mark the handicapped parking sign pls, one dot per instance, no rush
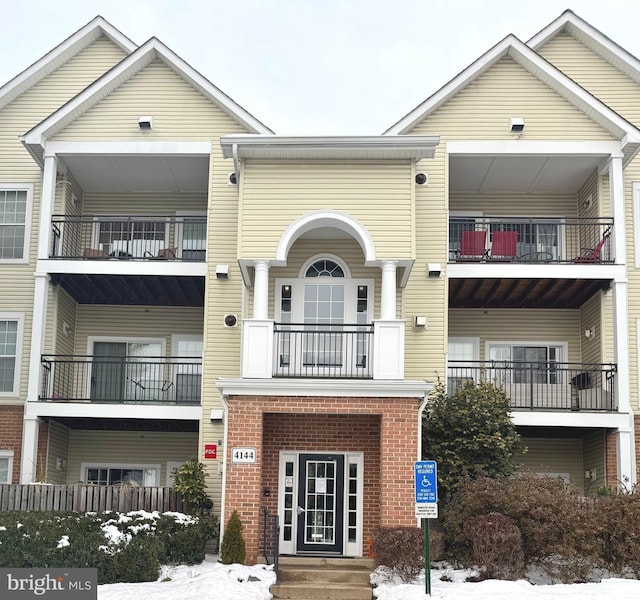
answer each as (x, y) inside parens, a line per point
(426, 481)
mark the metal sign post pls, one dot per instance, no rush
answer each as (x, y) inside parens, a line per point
(426, 486)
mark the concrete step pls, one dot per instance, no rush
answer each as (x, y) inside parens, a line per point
(333, 574)
(326, 562)
(325, 591)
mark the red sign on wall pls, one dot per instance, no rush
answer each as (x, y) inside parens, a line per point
(210, 451)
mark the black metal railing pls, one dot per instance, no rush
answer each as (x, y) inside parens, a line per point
(543, 385)
(113, 379)
(530, 240)
(271, 539)
(338, 351)
(152, 237)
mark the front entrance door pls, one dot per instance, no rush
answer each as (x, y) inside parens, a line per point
(320, 509)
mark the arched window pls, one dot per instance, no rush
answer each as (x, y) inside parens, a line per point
(324, 268)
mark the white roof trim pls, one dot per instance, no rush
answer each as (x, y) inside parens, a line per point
(414, 147)
(132, 64)
(538, 67)
(62, 53)
(592, 38)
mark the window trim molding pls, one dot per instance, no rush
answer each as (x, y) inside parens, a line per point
(17, 373)
(636, 221)
(324, 256)
(107, 465)
(91, 339)
(539, 343)
(27, 187)
(7, 453)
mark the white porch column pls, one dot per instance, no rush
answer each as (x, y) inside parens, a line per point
(625, 444)
(388, 292)
(47, 200)
(29, 449)
(261, 290)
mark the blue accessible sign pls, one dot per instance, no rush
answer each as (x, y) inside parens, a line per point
(426, 473)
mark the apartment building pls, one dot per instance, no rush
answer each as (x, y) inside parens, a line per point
(178, 280)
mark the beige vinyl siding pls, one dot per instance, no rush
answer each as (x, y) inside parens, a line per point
(377, 194)
(591, 318)
(515, 205)
(594, 459)
(58, 448)
(549, 325)
(135, 322)
(128, 447)
(595, 74)
(179, 111)
(553, 455)
(143, 204)
(482, 110)
(65, 309)
(600, 206)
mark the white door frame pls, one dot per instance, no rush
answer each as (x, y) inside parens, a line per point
(288, 546)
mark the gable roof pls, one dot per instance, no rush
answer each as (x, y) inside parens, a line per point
(55, 58)
(532, 62)
(151, 50)
(593, 39)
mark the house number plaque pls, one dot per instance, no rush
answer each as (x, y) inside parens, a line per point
(243, 455)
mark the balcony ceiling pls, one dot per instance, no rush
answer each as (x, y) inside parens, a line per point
(523, 293)
(147, 290)
(520, 174)
(119, 424)
(154, 174)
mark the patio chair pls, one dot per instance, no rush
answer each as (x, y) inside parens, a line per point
(472, 246)
(593, 255)
(94, 253)
(503, 246)
(163, 254)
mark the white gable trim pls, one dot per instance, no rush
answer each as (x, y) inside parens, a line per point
(593, 39)
(134, 63)
(539, 68)
(62, 53)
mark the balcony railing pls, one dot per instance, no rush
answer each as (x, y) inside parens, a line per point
(543, 386)
(149, 237)
(530, 240)
(339, 351)
(114, 379)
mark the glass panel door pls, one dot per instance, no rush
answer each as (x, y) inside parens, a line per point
(108, 370)
(320, 503)
(324, 310)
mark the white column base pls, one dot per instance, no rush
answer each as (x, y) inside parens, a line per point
(388, 349)
(257, 349)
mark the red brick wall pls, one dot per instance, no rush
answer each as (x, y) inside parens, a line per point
(611, 458)
(11, 435)
(395, 418)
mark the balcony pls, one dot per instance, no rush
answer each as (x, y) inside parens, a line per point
(550, 386)
(121, 380)
(342, 351)
(537, 240)
(148, 237)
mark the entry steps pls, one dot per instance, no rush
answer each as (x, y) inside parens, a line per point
(306, 578)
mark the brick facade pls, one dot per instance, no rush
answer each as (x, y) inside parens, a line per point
(384, 429)
(11, 422)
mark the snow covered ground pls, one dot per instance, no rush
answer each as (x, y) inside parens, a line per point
(214, 581)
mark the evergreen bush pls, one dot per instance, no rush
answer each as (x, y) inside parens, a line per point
(233, 548)
(190, 480)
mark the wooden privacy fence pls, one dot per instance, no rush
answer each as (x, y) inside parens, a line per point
(88, 498)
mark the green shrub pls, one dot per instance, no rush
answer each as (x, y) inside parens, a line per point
(401, 550)
(496, 545)
(185, 539)
(470, 433)
(190, 481)
(233, 548)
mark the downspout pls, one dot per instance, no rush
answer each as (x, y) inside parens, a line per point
(236, 162)
(423, 405)
(223, 399)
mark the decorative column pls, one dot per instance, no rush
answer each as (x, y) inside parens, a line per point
(261, 290)
(388, 293)
(388, 331)
(257, 334)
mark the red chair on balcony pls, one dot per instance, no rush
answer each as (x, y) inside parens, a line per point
(503, 246)
(594, 255)
(472, 246)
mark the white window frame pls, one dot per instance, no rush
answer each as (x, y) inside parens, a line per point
(21, 187)
(564, 348)
(8, 454)
(636, 222)
(103, 465)
(122, 340)
(176, 370)
(19, 317)
(179, 233)
(130, 243)
(172, 465)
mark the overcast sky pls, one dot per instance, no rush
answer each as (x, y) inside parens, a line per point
(312, 66)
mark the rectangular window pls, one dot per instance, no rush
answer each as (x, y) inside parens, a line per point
(15, 208)
(10, 351)
(528, 363)
(6, 466)
(136, 475)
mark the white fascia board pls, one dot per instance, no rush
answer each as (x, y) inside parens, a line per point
(61, 54)
(592, 38)
(112, 411)
(324, 388)
(535, 271)
(597, 420)
(413, 147)
(173, 268)
(127, 68)
(534, 147)
(171, 147)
